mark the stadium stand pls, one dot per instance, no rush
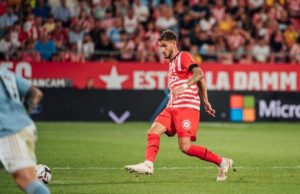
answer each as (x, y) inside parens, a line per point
(225, 31)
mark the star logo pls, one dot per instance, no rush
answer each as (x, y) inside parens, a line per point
(113, 80)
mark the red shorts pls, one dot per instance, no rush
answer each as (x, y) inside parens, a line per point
(183, 121)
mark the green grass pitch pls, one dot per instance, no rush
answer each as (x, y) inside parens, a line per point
(89, 158)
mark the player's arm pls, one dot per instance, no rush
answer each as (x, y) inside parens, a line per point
(32, 98)
(204, 97)
(197, 75)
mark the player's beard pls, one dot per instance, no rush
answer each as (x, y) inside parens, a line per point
(170, 55)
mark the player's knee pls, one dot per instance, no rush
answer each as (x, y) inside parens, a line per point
(157, 128)
(184, 147)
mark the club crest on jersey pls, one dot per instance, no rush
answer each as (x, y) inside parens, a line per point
(186, 124)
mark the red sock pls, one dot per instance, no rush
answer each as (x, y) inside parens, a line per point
(204, 154)
(152, 147)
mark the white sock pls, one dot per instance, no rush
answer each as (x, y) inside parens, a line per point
(223, 163)
(148, 163)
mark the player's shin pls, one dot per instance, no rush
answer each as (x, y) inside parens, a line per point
(204, 154)
(152, 147)
(36, 187)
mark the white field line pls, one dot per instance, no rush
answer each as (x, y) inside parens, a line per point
(177, 168)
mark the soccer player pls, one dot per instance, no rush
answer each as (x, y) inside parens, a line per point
(181, 115)
(18, 132)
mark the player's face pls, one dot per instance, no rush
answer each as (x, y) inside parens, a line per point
(167, 48)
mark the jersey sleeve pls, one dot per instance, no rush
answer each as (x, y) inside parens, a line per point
(23, 85)
(187, 60)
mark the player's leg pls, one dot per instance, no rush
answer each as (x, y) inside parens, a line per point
(18, 157)
(224, 164)
(187, 124)
(187, 147)
(160, 126)
(153, 141)
(26, 180)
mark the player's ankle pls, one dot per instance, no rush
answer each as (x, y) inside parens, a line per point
(148, 163)
(223, 163)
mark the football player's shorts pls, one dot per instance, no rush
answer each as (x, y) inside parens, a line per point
(183, 121)
(17, 151)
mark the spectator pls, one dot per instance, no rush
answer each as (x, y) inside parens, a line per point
(226, 24)
(85, 21)
(261, 51)
(140, 49)
(141, 11)
(59, 36)
(96, 31)
(293, 8)
(76, 35)
(240, 14)
(206, 23)
(255, 5)
(6, 46)
(156, 3)
(290, 36)
(218, 10)
(87, 47)
(295, 53)
(100, 9)
(90, 83)
(180, 10)
(62, 12)
(152, 36)
(277, 47)
(122, 7)
(42, 9)
(30, 27)
(8, 19)
(71, 54)
(114, 32)
(130, 22)
(105, 48)
(200, 10)
(82, 6)
(194, 52)
(3, 7)
(278, 13)
(166, 20)
(45, 46)
(29, 54)
(49, 25)
(236, 41)
(185, 24)
(126, 47)
(152, 55)
(108, 20)
(17, 36)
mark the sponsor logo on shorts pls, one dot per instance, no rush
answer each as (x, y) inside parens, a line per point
(186, 124)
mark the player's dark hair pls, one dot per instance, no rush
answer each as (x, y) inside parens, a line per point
(168, 35)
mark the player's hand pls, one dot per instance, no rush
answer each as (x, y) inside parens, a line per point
(209, 109)
(178, 90)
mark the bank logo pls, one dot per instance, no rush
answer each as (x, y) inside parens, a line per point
(242, 108)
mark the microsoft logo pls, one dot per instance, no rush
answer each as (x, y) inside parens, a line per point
(242, 108)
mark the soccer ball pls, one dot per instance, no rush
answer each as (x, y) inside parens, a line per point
(43, 173)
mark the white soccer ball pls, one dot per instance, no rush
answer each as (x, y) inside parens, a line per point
(43, 173)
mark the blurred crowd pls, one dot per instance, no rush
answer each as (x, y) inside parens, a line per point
(225, 31)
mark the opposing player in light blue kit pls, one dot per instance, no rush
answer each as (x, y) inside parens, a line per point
(18, 132)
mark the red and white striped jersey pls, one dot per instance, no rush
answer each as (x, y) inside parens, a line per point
(178, 75)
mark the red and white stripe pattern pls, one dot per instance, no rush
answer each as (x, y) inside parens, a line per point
(179, 75)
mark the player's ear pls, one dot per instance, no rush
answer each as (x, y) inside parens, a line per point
(174, 43)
